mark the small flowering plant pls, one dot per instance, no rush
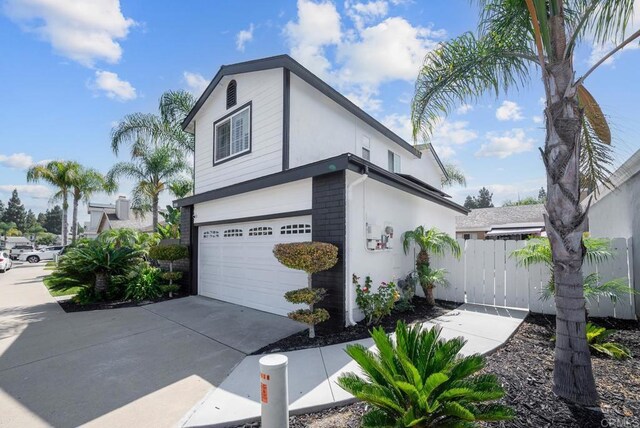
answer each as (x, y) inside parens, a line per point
(378, 305)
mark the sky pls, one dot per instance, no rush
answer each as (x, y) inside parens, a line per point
(70, 69)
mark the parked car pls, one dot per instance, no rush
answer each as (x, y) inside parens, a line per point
(5, 262)
(36, 256)
(15, 252)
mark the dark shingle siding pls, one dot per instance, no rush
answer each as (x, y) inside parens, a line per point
(328, 225)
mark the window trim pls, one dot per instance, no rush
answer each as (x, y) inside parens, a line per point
(226, 117)
(394, 157)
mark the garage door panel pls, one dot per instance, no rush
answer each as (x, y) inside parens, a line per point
(243, 270)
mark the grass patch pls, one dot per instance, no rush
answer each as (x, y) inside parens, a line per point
(50, 265)
(57, 290)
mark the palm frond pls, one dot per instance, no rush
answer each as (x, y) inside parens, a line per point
(454, 176)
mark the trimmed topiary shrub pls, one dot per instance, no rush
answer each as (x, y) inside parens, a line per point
(310, 257)
(169, 253)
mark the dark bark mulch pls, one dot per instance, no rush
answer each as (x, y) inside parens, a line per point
(421, 312)
(525, 368)
(71, 306)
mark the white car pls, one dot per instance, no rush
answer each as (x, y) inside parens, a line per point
(5, 262)
(36, 256)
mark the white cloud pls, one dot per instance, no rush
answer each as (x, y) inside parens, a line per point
(448, 136)
(537, 119)
(16, 160)
(317, 27)
(113, 86)
(380, 49)
(464, 109)
(37, 191)
(509, 110)
(196, 83)
(243, 37)
(505, 144)
(85, 31)
(599, 50)
(363, 13)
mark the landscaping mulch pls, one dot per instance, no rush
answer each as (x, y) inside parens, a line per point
(525, 368)
(71, 306)
(421, 312)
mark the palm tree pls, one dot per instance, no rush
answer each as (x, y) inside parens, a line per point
(85, 182)
(141, 129)
(59, 174)
(430, 241)
(153, 167)
(181, 188)
(454, 176)
(514, 36)
(597, 250)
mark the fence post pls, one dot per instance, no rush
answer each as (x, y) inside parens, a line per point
(274, 391)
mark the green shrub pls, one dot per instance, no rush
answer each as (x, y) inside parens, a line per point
(171, 276)
(310, 257)
(596, 337)
(309, 317)
(169, 289)
(375, 306)
(419, 380)
(307, 296)
(86, 296)
(169, 252)
(145, 285)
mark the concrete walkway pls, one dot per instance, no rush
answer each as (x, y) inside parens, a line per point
(138, 366)
(313, 372)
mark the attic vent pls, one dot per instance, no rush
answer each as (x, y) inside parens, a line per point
(231, 94)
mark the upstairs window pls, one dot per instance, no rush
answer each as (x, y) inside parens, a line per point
(232, 94)
(394, 162)
(232, 135)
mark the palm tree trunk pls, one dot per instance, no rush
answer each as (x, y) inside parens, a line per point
(154, 213)
(428, 293)
(74, 220)
(65, 222)
(565, 224)
(102, 282)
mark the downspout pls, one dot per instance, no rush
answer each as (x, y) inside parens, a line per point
(349, 294)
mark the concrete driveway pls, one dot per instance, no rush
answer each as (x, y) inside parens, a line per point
(140, 366)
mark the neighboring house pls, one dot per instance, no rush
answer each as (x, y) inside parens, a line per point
(11, 241)
(515, 222)
(280, 156)
(96, 212)
(123, 217)
(616, 212)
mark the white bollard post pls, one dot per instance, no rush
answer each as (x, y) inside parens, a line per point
(274, 391)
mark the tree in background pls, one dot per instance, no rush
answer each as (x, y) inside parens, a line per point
(529, 200)
(542, 195)
(51, 220)
(59, 174)
(153, 167)
(454, 176)
(5, 227)
(181, 188)
(2, 208)
(84, 183)
(513, 38)
(15, 212)
(483, 200)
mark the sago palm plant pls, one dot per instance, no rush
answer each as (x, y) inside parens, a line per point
(421, 381)
(597, 338)
(431, 242)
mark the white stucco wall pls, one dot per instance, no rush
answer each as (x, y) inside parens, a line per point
(288, 197)
(376, 203)
(320, 129)
(264, 89)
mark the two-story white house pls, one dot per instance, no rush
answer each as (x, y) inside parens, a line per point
(280, 156)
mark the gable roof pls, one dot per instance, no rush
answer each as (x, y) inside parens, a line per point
(139, 223)
(285, 61)
(485, 218)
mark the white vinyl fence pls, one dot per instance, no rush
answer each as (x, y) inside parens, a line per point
(486, 274)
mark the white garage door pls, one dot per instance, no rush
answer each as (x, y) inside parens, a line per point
(236, 263)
